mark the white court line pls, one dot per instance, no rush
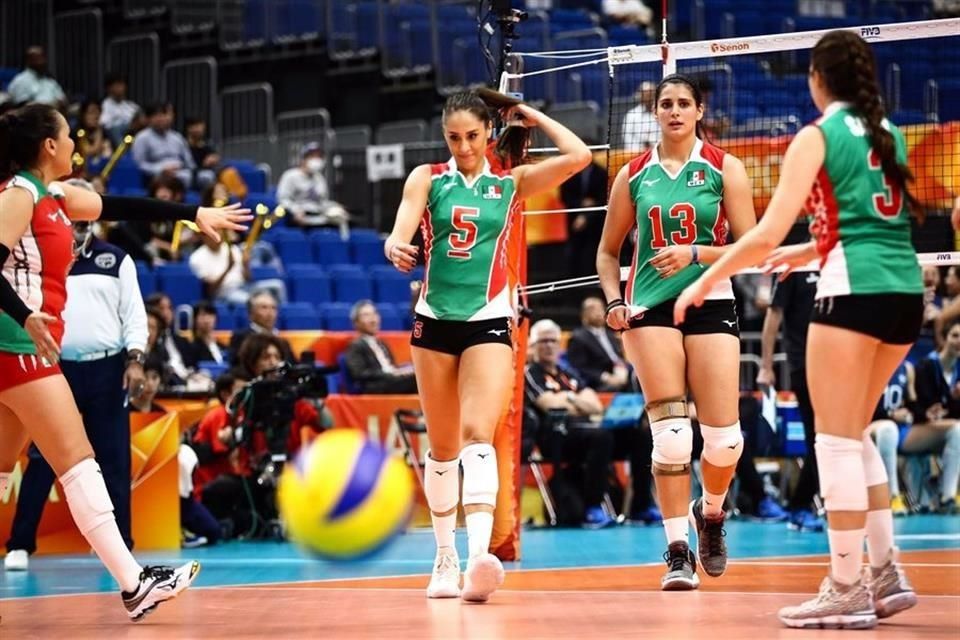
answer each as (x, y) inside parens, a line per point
(826, 560)
(928, 536)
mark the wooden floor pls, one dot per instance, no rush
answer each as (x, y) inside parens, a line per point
(607, 602)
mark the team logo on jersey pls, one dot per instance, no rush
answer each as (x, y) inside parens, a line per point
(696, 178)
(59, 216)
(493, 192)
(105, 260)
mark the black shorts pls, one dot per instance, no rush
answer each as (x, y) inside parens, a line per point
(892, 318)
(715, 316)
(455, 336)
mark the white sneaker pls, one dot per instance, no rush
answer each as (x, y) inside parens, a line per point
(16, 560)
(445, 581)
(158, 584)
(483, 575)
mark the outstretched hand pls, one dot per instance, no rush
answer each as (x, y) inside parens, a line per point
(36, 327)
(210, 219)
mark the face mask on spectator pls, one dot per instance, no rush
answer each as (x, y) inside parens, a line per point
(315, 165)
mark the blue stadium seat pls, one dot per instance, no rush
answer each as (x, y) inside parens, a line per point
(368, 20)
(350, 283)
(329, 249)
(308, 283)
(390, 285)
(299, 316)
(346, 382)
(226, 320)
(178, 282)
(367, 250)
(213, 368)
(336, 316)
(390, 318)
(265, 273)
(146, 278)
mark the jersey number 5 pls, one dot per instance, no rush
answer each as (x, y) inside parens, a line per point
(687, 234)
(464, 235)
(888, 203)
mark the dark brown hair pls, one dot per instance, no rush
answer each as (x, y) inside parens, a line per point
(22, 132)
(511, 147)
(846, 64)
(253, 347)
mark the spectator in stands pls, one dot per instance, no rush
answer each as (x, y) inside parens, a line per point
(173, 350)
(951, 285)
(91, 141)
(369, 361)
(791, 307)
(932, 305)
(204, 154)
(224, 269)
(595, 351)
(304, 193)
(628, 12)
(205, 345)
(144, 403)
(198, 527)
(34, 83)
(938, 406)
(891, 423)
(640, 127)
(159, 150)
(568, 414)
(117, 112)
(586, 189)
(262, 310)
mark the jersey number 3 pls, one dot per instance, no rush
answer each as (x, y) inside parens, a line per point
(888, 203)
(687, 234)
(464, 235)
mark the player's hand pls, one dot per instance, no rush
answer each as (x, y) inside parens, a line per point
(133, 379)
(671, 260)
(788, 258)
(210, 219)
(766, 377)
(36, 327)
(692, 295)
(618, 318)
(403, 256)
(521, 116)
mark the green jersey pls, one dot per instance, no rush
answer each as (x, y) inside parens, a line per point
(466, 234)
(686, 208)
(861, 219)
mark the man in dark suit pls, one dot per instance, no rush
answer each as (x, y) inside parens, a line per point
(177, 350)
(595, 351)
(586, 189)
(262, 311)
(369, 362)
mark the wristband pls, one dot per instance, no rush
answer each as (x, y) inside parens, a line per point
(614, 304)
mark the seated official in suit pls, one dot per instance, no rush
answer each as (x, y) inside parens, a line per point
(370, 364)
(595, 351)
(262, 311)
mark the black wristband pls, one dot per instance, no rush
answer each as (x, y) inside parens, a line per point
(613, 304)
(10, 302)
(145, 209)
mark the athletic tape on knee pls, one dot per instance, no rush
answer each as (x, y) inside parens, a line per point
(840, 467)
(480, 479)
(722, 446)
(87, 495)
(873, 468)
(672, 446)
(441, 484)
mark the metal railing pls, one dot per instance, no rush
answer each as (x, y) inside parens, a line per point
(137, 58)
(247, 110)
(78, 38)
(25, 23)
(191, 85)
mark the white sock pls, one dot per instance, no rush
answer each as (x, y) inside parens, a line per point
(879, 536)
(479, 529)
(677, 529)
(445, 531)
(713, 502)
(90, 506)
(846, 554)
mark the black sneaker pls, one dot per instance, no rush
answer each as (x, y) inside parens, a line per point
(681, 572)
(710, 544)
(158, 584)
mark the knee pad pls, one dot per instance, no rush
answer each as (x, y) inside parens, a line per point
(873, 469)
(480, 479)
(666, 409)
(840, 467)
(672, 445)
(87, 495)
(441, 484)
(722, 446)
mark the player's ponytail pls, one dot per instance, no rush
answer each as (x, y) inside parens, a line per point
(22, 132)
(846, 63)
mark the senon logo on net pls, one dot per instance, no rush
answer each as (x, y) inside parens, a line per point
(720, 47)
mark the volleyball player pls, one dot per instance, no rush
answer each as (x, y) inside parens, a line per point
(35, 402)
(681, 195)
(461, 342)
(849, 170)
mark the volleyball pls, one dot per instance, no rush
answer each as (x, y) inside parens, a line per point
(344, 495)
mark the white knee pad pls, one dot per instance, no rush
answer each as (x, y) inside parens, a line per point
(441, 483)
(672, 445)
(480, 479)
(873, 467)
(87, 495)
(722, 446)
(842, 479)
